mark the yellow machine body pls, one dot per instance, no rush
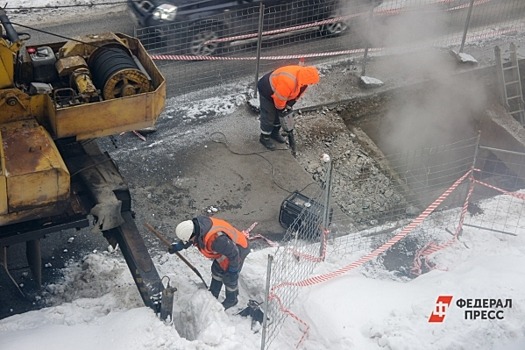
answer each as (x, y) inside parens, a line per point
(55, 91)
(55, 99)
(33, 174)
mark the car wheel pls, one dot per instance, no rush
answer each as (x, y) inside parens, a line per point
(334, 29)
(202, 41)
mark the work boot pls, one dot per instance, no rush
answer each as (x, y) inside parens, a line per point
(231, 299)
(276, 135)
(215, 288)
(267, 142)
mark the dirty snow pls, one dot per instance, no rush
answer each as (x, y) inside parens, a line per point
(96, 305)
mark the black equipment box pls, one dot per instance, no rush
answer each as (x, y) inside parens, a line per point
(43, 61)
(303, 215)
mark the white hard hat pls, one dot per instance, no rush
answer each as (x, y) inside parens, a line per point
(184, 230)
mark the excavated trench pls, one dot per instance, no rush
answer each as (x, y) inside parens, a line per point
(398, 150)
(429, 133)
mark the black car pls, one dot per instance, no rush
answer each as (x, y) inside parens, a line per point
(203, 27)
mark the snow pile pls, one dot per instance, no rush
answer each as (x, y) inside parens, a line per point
(96, 305)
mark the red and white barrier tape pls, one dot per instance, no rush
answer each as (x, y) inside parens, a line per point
(248, 231)
(430, 248)
(161, 57)
(398, 10)
(512, 194)
(310, 257)
(334, 20)
(466, 5)
(323, 278)
(167, 57)
(283, 30)
(409, 228)
(289, 312)
(434, 247)
(283, 57)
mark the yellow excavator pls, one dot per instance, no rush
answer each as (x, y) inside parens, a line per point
(55, 100)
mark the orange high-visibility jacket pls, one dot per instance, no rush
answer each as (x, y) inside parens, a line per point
(221, 227)
(287, 81)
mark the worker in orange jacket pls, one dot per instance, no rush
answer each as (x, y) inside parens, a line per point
(279, 90)
(218, 240)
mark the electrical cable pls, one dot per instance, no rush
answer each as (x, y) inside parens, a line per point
(50, 33)
(62, 37)
(259, 154)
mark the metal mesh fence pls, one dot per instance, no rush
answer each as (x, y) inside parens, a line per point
(433, 193)
(214, 49)
(450, 24)
(220, 48)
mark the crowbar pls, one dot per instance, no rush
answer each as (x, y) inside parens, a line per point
(168, 243)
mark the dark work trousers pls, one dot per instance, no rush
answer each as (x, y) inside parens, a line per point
(217, 272)
(268, 118)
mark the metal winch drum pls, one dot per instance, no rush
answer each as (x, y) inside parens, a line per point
(115, 72)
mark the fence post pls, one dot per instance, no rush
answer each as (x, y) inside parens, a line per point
(267, 297)
(369, 29)
(259, 44)
(467, 24)
(475, 159)
(326, 210)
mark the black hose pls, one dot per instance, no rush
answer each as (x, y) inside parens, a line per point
(10, 31)
(106, 61)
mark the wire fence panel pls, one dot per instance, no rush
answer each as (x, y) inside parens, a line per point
(228, 41)
(402, 25)
(440, 190)
(212, 50)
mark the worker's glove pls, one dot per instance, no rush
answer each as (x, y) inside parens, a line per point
(285, 112)
(176, 247)
(231, 277)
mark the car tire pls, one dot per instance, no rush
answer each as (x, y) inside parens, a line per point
(201, 39)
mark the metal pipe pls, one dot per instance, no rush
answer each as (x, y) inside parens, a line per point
(10, 31)
(502, 150)
(490, 229)
(470, 187)
(467, 24)
(259, 44)
(266, 301)
(369, 25)
(326, 210)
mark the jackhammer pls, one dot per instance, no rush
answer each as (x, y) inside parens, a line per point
(287, 124)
